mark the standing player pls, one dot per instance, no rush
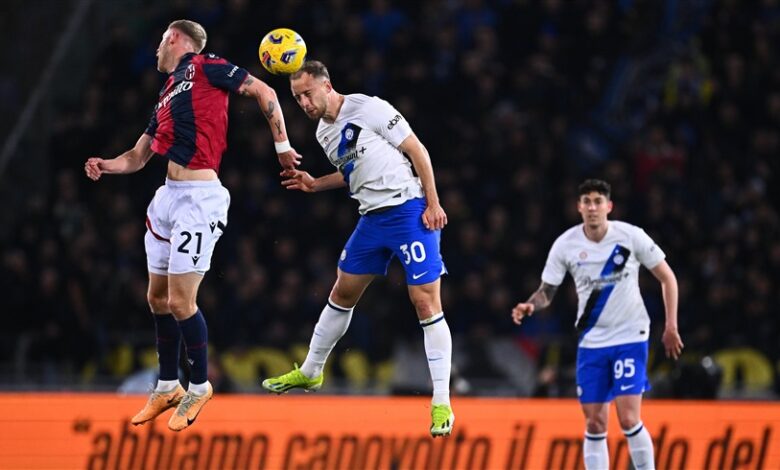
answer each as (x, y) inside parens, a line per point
(604, 257)
(366, 138)
(188, 214)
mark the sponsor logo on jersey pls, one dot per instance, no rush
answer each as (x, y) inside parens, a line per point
(232, 71)
(394, 121)
(348, 150)
(180, 88)
(611, 279)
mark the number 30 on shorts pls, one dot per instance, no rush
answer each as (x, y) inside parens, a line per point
(414, 251)
(624, 368)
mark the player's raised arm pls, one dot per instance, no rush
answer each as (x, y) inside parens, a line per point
(269, 104)
(671, 338)
(434, 216)
(538, 300)
(129, 162)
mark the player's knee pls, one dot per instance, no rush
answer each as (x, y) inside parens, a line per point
(628, 422)
(424, 307)
(181, 308)
(343, 297)
(596, 425)
(158, 303)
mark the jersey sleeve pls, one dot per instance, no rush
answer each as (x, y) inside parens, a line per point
(646, 250)
(151, 129)
(223, 74)
(387, 121)
(555, 267)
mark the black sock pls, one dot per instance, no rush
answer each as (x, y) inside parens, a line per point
(196, 339)
(168, 339)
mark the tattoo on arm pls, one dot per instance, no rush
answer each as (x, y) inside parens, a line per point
(245, 86)
(543, 296)
(270, 112)
(278, 125)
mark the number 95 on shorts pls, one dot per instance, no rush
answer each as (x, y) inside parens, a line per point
(603, 373)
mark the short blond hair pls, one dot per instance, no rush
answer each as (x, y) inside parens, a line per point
(192, 30)
(315, 68)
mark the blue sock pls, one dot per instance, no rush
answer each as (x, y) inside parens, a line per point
(168, 339)
(196, 337)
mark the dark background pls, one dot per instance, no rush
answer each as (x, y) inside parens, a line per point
(676, 103)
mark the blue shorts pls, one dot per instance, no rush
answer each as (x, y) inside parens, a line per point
(396, 232)
(604, 373)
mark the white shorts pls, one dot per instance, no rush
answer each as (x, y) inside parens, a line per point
(184, 221)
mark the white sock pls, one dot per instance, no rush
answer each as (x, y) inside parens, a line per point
(595, 451)
(166, 385)
(333, 323)
(438, 348)
(640, 446)
(199, 389)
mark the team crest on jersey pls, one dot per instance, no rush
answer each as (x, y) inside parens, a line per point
(189, 74)
(619, 259)
(349, 134)
(583, 255)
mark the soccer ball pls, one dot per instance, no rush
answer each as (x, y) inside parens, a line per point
(282, 51)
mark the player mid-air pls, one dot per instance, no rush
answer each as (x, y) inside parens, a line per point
(365, 138)
(603, 256)
(189, 212)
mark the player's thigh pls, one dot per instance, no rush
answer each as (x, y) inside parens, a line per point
(349, 288)
(157, 295)
(426, 298)
(596, 417)
(183, 293)
(594, 375)
(365, 252)
(199, 219)
(629, 410)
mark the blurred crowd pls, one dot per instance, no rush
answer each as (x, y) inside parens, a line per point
(676, 104)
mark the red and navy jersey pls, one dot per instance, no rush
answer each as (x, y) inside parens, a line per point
(189, 123)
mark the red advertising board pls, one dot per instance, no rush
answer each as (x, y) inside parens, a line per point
(92, 431)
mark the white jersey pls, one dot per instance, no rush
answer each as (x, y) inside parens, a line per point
(363, 144)
(610, 308)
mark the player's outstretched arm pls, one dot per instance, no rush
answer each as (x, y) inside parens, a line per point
(129, 162)
(434, 216)
(671, 338)
(538, 300)
(303, 181)
(269, 104)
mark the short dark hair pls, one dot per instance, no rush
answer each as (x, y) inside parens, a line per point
(315, 68)
(595, 185)
(192, 30)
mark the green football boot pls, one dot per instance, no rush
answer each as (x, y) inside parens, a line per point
(442, 420)
(291, 380)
